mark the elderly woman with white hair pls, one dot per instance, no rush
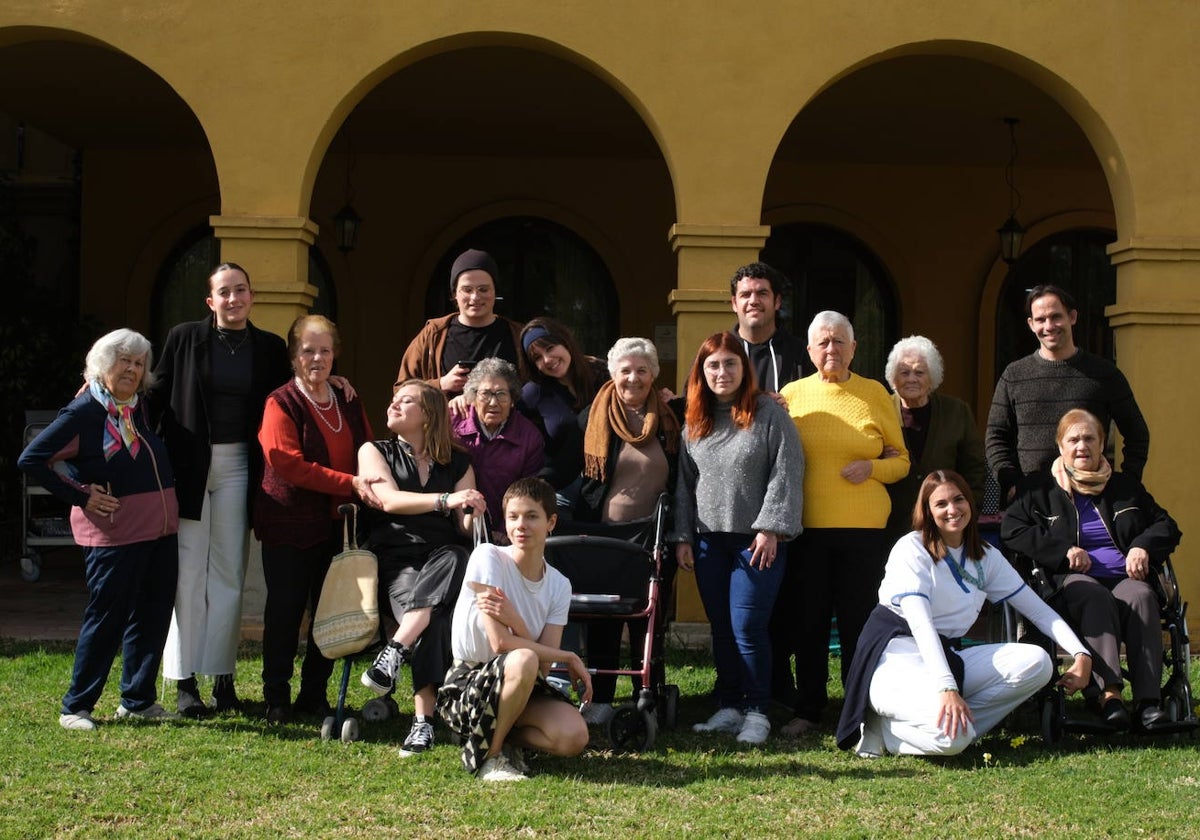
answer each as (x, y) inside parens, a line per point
(101, 457)
(939, 430)
(630, 454)
(853, 448)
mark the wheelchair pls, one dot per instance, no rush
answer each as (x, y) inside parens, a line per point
(1176, 693)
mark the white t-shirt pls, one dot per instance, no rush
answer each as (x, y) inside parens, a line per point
(539, 603)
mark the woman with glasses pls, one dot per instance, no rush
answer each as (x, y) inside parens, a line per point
(502, 443)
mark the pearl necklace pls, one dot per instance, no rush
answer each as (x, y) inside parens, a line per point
(333, 403)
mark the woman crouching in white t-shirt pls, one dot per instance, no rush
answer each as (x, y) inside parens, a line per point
(508, 625)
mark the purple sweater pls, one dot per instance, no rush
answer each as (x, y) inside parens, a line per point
(518, 451)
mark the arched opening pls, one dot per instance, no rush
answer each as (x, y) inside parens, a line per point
(524, 153)
(182, 284)
(545, 269)
(98, 153)
(907, 155)
(829, 269)
(1076, 261)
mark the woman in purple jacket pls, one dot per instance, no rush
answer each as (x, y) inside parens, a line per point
(502, 443)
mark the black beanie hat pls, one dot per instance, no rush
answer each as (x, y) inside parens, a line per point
(472, 260)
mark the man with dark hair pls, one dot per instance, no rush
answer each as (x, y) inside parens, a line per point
(756, 293)
(1035, 391)
(446, 348)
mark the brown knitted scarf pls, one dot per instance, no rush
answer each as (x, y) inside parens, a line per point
(608, 416)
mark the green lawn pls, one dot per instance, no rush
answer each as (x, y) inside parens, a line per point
(234, 776)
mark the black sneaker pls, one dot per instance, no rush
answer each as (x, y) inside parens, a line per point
(188, 702)
(311, 706)
(381, 676)
(225, 699)
(420, 738)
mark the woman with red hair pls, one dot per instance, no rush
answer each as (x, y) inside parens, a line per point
(737, 503)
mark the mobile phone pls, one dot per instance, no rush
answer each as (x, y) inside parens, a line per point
(468, 363)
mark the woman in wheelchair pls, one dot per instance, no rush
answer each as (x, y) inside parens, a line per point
(912, 689)
(1098, 536)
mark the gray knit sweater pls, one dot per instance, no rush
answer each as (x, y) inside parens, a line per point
(741, 481)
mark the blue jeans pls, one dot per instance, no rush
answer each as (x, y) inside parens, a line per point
(131, 592)
(738, 599)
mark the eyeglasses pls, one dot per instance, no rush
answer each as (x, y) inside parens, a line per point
(497, 396)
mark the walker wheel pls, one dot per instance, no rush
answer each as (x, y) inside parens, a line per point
(349, 730)
(632, 731)
(31, 568)
(327, 727)
(376, 710)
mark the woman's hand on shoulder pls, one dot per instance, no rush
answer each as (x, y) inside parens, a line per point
(343, 384)
(459, 407)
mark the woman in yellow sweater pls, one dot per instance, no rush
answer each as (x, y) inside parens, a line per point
(853, 446)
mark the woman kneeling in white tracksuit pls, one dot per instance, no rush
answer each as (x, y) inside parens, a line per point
(911, 690)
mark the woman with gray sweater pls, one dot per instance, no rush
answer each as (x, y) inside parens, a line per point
(737, 503)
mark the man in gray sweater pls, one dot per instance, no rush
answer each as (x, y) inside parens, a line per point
(1035, 391)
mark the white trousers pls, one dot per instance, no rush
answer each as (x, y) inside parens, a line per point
(997, 679)
(213, 553)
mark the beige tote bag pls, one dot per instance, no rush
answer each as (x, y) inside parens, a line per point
(347, 617)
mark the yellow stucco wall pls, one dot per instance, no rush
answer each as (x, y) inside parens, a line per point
(271, 83)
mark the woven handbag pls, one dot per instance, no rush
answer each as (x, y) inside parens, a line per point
(347, 616)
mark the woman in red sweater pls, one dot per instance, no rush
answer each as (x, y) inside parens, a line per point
(310, 436)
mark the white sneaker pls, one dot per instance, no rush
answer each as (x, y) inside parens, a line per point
(755, 729)
(870, 745)
(516, 757)
(499, 769)
(598, 714)
(77, 720)
(725, 720)
(152, 712)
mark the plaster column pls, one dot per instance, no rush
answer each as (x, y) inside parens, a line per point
(274, 249)
(1156, 320)
(707, 257)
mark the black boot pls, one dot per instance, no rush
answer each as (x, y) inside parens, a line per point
(224, 697)
(188, 701)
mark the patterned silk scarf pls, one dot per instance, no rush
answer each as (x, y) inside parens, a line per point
(118, 422)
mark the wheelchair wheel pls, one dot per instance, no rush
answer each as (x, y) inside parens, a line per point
(349, 730)
(1052, 728)
(669, 708)
(632, 731)
(327, 726)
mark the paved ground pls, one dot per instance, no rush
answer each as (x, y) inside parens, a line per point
(52, 608)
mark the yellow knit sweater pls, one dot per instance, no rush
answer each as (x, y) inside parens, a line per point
(840, 422)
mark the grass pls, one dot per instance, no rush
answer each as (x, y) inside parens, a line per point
(234, 777)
